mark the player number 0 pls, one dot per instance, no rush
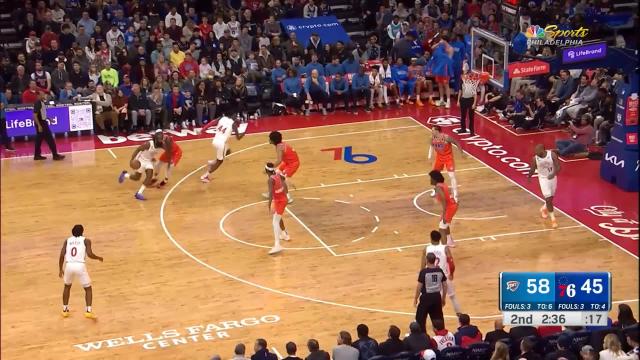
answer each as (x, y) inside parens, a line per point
(74, 251)
(538, 286)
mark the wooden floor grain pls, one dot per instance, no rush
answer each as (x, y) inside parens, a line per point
(179, 283)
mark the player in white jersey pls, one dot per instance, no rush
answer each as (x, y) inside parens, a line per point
(441, 336)
(224, 128)
(73, 253)
(548, 166)
(143, 161)
(444, 260)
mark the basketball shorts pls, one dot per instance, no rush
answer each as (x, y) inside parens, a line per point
(451, 289)
(145, 164)
(76, 270)
(444, 162)
(175, 159)
(221, 150)
(442, 79)
(445, 222)
(278, 206)
(548, 187)
(287, 169)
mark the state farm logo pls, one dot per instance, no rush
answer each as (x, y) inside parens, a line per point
(448, 120)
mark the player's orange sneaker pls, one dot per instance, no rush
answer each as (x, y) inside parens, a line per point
(90, 315)
(544, 213)
(554, 224)
(419, 102)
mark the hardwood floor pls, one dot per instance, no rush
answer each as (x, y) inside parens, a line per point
(186, 273)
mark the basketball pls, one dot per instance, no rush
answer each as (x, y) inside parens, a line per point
(135, 164)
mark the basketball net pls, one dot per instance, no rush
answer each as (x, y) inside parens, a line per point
(473, 79)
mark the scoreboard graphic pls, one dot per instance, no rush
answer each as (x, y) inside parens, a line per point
(561, 298)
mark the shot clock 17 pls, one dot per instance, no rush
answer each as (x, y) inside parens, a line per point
(562, 298)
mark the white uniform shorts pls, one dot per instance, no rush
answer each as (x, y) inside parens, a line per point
(548, 187)
(79, 270)
(451, 289)
(221, 150)
(145, 164)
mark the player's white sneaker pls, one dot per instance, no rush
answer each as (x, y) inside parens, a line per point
(205, 178)
(172, 126)
(193, 123)
(432, 193)
(265, 195)
(289, 199)
(184, 125)
(284, 236)
(275, 250)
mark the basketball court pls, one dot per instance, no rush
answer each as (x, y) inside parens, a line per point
(187, 275)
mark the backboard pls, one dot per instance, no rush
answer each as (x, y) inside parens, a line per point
(490, 53)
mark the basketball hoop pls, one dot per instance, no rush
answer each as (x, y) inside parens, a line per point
(484, 77)
(472, 79)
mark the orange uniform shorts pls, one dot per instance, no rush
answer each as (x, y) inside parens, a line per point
(444, 162)
(451, 211)
(177, 155)
(278, 206)
(288, 169)
(442, 79)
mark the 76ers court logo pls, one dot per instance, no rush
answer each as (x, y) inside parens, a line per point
(513, 285)
(447, 120)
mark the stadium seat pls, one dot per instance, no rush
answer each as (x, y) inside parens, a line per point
(380, 357)
(453, 353)
(405, 355)
(479, 351)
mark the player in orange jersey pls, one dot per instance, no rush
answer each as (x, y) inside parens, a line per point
(170, 157)
(277, 204)
(287, 161)
(449, 205)
(441, 143)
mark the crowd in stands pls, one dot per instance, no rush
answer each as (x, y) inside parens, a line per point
(155, 64)
(618, 341)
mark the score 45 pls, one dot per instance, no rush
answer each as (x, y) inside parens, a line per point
(594, 286)
(346, 154)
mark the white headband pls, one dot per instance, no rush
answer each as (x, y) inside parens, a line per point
(269, 168)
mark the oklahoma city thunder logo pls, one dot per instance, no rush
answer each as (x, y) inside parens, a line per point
(513, 285)
(534, 31)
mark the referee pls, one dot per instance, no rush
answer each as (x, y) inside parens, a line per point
(467, 101)
(432, 291)
(42, 130)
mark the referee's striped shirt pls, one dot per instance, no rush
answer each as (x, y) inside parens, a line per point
(431, 280)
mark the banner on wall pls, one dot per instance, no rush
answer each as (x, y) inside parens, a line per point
(328, 28)
(62, 118)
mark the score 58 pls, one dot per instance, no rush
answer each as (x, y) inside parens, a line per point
(538, 286)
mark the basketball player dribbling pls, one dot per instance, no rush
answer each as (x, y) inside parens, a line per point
(277, 204)
(72, 265)
(142, 161)
(287, 161)
(548, 166)
(444, 260)
(441, 143)
(170, 157)
(449, 205)
(224, 127)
